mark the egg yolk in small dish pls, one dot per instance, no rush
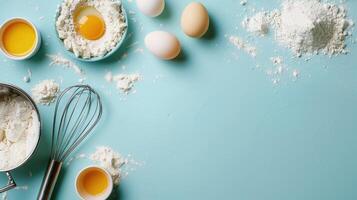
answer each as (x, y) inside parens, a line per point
(89, 23)
(19, 38)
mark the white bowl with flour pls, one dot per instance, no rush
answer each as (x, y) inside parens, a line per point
(20, 129)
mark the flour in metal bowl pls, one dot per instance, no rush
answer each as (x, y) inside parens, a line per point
(19, 129)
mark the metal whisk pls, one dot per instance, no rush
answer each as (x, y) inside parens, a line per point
(78, 110)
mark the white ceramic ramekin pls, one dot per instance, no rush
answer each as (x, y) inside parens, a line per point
(85, 196)
(37, 42)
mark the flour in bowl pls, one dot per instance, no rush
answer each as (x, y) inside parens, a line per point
(108, 18)
(19, 130)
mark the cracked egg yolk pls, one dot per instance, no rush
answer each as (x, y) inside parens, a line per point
(89, 23)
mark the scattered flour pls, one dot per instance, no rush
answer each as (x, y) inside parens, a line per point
(57, 59)
(19, 129)
(115, 27)
(116, 164)
(241, 44)
(45, 92)
(296, 73)
(277, 70)
(305, 26)
(257, 24)
(111, 161)
(312, 27)
(124, 82)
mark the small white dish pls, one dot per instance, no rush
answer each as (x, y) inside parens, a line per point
(37, 42)
(81, 190)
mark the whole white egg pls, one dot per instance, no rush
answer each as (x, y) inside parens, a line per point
(163, 44)
(151, 8)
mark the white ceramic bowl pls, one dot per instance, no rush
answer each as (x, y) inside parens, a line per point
(81, 191)
(37, 42)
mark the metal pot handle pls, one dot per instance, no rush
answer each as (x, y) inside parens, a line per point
(10, 183)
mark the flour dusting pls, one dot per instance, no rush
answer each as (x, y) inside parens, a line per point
(113, 162)
(59, 60)
(45, 92)
(117, 165)
(312, 27)
(305, 26)
(241, 44)
(257, 24)
(123, 82)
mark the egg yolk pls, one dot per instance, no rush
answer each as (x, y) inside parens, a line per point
(95, 182)
(19, 38)
(91, 27)
(89, 23)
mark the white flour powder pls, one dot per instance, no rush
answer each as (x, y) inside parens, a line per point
(241, 44)
(19, 130)
(118, 166)
(57, 59)
(257, 24)
(124, 82)
(305, 26)
(110, 160)
(310, 26)
(115, 27)
(45, 92)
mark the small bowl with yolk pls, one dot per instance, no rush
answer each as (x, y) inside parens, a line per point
(20, 39)
(89, 24)
(93, 183)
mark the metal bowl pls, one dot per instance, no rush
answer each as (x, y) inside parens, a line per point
(14, 89)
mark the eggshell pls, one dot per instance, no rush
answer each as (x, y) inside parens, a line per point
(151, 8)
(195, 20)
(163, 44)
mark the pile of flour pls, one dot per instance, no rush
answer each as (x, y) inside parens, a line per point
(123, 82)
(311, 26)
(19, 129)
(258, 24)
(305, 26)
(45, 92)
(111, 161)
(117, 165)
(115, 27)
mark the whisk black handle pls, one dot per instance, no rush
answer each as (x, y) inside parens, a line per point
(49, 181)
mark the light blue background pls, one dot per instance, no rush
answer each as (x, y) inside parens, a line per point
(212, 127)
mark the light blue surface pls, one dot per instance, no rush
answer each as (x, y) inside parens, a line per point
(211, 127)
